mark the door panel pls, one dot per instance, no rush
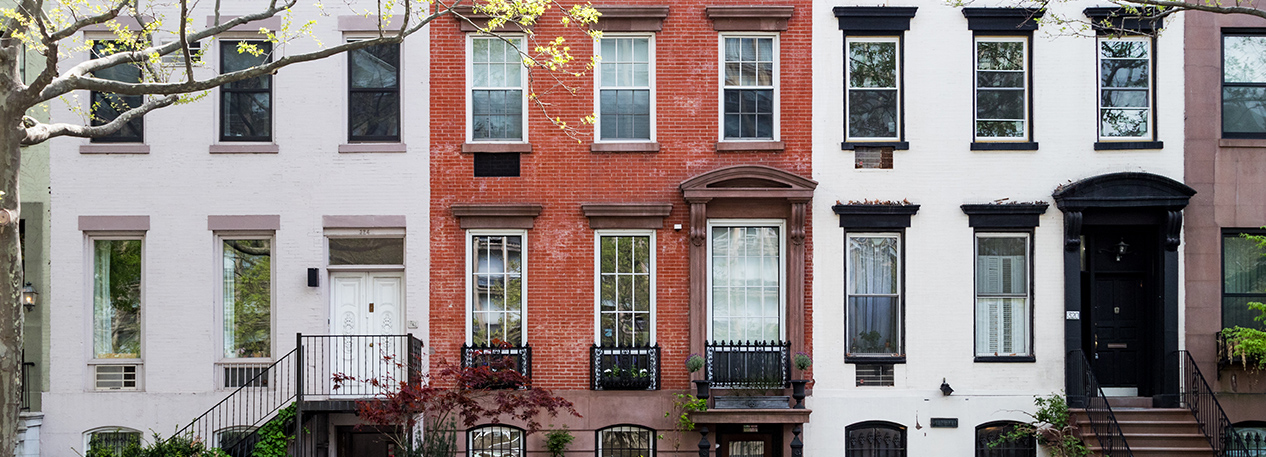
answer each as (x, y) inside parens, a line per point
(364, 305)
(746, 445)
(1117, 346)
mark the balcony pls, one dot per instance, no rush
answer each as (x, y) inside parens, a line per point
(624, 368)
(749, 365)
(366, 363)
(498, 357)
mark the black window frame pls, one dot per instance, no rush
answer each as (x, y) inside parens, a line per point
(136, 125)
(1000, 23)
(470, 439)
(1232, 32)
(1113, 22)
(901, 430)
(877, 219)
(351, 90)
(227, 90)
(651, 433)
(877, 22)
(1015, 218)
(1234, 233)
(1027, 446)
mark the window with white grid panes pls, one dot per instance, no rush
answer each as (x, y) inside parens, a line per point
(1002, 294)
(749, 99)
(625, 94)
(1002, 88)
(497, 78)
(497, 289)
(874, 81)
(1125, 88)
(625, 290)
(745, 286)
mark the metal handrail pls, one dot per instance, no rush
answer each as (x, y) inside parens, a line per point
(1104, 423)
(1203, 404)
(249, 406)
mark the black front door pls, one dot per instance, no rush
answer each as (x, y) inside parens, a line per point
(358, 443)
(1122, 303)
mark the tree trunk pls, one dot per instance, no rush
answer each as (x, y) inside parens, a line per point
(11, 313)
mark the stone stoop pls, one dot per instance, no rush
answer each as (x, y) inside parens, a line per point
(1151, 432)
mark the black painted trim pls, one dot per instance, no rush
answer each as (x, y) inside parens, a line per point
(875, 216)
(1120, 20)
(1004, 145)
(1128, 145)
(895, 145)
(1123, 190)
(1005, 215)
(1005, 359)
(1002, 19)
(875, 18)
(880, 360)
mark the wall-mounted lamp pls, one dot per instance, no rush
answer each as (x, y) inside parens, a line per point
(29, 297)
(946, 390)
(1122, 250)
(314, 277)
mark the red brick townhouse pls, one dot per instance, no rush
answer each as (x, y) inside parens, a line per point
(677, 225)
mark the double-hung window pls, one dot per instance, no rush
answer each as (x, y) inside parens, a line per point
(625, 94)
(745, 287)
(873, 273)
(116, 312)
(246, 109)
(246, 309)
(497, 79)
(1243, 85)
(1125, 88)
(1243, 279)
(873, 77)
(625, 289)
(107, 107)
(373, 99)
(1002, 294)
(497, 288)
(1002, 88)
(749, 73)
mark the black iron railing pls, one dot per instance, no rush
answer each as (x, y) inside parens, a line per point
(752, 364)
(517, 358)
(1102, 420)
(1203, 403)
(358, 366)
(27, 367)
(248, 407)
(624, 368)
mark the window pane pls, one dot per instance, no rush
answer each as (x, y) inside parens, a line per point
(1125, 98)
(1000, 55)
(1013, 79)
(366, 251)
(497, 279)
(375, 114)
(872, 64)
(1123, 49)
(626, 442)
(1244, 274)
(872, 113)
(1001, 265)
(745, 292)
(496, 441)
(247, 298)
(116, 299)
(497, 114)
(375, 67)
(1244, 59)
(107, 107)
(236, 58)
(1000, 129)
(1124, 123)
(247, 115)
(1244, 109)
(999, 104)
(873, 324)
(1125, 73)
(749, 113)
(872, 265)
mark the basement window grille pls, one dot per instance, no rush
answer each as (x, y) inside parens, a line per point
(496, 164)
(874, 375)
(866, 157)
(238, 375)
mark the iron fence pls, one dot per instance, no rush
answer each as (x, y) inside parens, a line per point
(751, 364)
(1196, 395)
(624, 368)
(358, 366)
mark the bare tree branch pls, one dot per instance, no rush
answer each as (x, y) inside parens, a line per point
(76, 26)
(1200, 6)
(37, 132)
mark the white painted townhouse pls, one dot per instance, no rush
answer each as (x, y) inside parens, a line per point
(192, 247)
(998, 200)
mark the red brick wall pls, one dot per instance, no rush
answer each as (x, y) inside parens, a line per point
(561, 174)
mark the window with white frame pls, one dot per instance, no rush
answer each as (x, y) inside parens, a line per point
(497, 78)
(749, 73)
(745, 286)
(246, 107)
(112, 441)
(1002, 88)
(626, 263)
(247, 297)
(1002, 294)
(873, 77)
(874, 274)
(1125, 88)
(625, 94)
(497, 288)
(116, 298)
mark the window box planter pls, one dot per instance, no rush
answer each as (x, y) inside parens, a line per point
(624, 368)
(496, 358)
(751, 402)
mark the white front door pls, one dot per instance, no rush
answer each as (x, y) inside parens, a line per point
(364, 308)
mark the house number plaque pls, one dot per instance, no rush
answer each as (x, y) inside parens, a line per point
(944, 422)
(1072, 315)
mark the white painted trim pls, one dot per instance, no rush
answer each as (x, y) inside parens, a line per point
(1151, 89)
(896, 40)
(597, 279)
(721, 85)
(523, 279)
(1027, 136)
(597, 87)
(90, 358)
(470, 86)
(782, 266)
(218, 294)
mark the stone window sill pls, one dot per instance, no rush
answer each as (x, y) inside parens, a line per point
(895, 145)
(372, 147)
(1242, 143)
(497, 147)
(245, 148)
(1127, 145)
(769, 146)
(1004, 146)
(118, 148)
(641, 146)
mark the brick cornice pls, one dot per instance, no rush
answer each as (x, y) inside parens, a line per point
(763, 18)
(497, 216)
(631, 18)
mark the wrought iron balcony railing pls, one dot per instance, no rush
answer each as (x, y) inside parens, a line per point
(624, 368)
(499, 357)
(751, 364)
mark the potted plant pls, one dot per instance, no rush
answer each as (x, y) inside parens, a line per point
(694, 362)
(802, 361)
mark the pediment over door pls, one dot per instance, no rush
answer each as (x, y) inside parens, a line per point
(748, 181)
(1123, 190)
